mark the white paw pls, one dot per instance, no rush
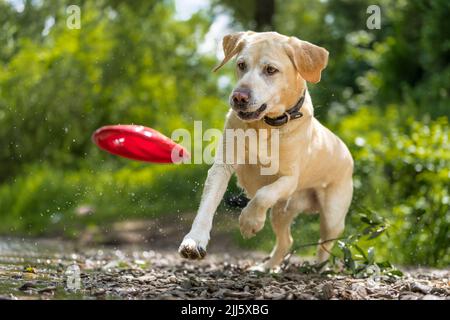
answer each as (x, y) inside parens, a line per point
(264, 267)
(260, 267)
(251, 220)
(193, 247)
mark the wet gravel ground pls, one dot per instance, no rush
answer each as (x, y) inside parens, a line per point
(42, 270)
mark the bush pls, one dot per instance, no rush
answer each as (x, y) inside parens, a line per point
(402, 172)
(45, 200)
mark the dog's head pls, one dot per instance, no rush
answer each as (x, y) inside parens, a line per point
(271, 69)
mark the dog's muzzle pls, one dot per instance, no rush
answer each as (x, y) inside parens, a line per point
(252, 115)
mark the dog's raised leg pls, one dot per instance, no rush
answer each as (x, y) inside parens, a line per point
(195, 242)
(253, 215)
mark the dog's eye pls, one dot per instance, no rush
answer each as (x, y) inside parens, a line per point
(271, 70)
(241, 66)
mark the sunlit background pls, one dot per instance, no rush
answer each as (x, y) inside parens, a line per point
(385, 92)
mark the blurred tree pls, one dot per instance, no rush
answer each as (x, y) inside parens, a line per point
(264, 13)
(131, 62)
(414, 63)
(406, 60)
(256, 15)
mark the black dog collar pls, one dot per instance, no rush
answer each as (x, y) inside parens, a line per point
(290, 114)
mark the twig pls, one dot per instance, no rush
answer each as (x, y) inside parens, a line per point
(295, 248)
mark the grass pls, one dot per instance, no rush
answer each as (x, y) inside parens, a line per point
(45, 200)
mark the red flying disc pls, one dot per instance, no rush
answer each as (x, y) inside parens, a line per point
(139, 143)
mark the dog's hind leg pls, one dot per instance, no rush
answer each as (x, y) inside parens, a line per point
(282, 215)
(281, 219)
(335, 201)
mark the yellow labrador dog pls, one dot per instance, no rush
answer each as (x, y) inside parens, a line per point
(315, 167)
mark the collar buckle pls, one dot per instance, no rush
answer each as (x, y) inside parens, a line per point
(290, 114)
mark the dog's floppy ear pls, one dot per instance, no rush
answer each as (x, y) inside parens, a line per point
(232, 44)
(308, 59)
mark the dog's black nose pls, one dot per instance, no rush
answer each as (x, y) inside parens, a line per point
(241, 96)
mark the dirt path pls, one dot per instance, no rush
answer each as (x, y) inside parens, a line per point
(38, 270)
(138, 260)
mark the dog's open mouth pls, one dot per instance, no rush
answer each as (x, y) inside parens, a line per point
(252, 115)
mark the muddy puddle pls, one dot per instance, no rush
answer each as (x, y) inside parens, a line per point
(54, 269)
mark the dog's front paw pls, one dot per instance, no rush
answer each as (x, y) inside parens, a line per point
(192, 249)
(264, 267)
(251, 220)
(260, 268)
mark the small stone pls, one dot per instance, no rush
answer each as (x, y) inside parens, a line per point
(48, 290)
(186, 284)
(127, 277)
(241, 295)
(431, 297)
(326, 292)
(419, 287)
(147, 278)
(219, 293)
(274, 296)
(306, 296)
(27, 286)
(99, 292)
(359, 289)
(409, 296)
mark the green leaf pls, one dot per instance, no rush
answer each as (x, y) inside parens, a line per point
(384, 265)
(361, 251)
(30, 269)
(395, 272)
(377, 233)
(348, 259)
(366, 220)
(371, 255)
(319, 266)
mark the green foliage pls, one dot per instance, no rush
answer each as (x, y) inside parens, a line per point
(403, 173)
(406, 60)
(384, 92)
(45, 200)
(356, 261)
(349, 258)
(414, 64)
(123, 66)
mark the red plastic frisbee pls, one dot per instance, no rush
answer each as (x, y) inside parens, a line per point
(139, 143)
